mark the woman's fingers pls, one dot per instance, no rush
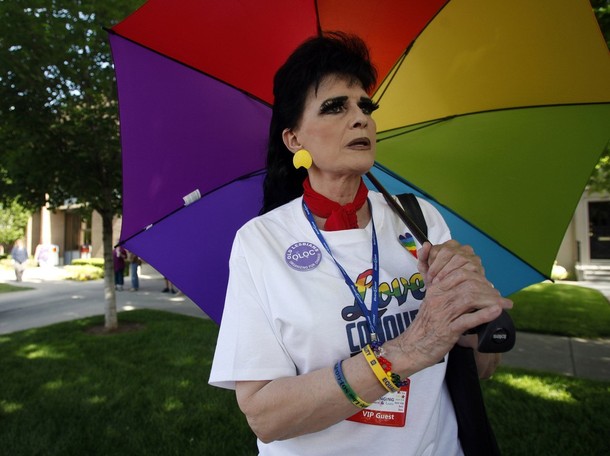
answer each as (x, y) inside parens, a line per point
(458, 298)
(461, 301)
(463, 293)
(438, 261)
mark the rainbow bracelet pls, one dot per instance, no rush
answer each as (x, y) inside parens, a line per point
(384, 378)
(387, 367)
(347, 390)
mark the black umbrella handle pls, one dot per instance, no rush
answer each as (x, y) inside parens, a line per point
(497, 336)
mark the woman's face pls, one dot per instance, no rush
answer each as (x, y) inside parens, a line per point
(337, 128)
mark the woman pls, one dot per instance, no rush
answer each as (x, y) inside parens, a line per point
(19, 254)
(335, 337)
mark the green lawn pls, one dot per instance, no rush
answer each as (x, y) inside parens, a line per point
(67, 391)
(548, 414)
(64, 391)
(6, 288)
(561, 309)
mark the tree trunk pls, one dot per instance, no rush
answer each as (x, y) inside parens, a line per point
(111, 320)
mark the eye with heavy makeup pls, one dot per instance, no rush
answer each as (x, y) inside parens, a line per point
(338, 105)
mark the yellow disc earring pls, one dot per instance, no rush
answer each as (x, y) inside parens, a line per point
(302, 158)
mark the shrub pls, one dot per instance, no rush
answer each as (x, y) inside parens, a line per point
(84, 272)
(97, 262)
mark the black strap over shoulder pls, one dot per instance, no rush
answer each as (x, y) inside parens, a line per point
(474, 430)
(413, 209)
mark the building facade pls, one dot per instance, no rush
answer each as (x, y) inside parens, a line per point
(585, 250)
(57, 237)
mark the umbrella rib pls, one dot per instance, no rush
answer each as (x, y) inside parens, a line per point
(249, 95)
(403, 56)
(432, 122)
(146, 228)
(393, 72)
(420, 127)
(237, 179)
(407, 220)
(318, 24)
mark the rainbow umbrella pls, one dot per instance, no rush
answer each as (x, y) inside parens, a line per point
(495, 112)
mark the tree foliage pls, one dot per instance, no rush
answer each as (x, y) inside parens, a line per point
(600, 178)
(58, 108)
(13, 221)
(602, 13)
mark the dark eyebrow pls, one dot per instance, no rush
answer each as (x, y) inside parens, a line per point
(340, 99)
(364, 103)
(367, 103)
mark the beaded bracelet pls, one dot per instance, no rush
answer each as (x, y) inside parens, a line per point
(347, 390)
(384, 378)
(387, 366)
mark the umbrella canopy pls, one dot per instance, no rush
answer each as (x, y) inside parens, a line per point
(494, 111)
(514, 103)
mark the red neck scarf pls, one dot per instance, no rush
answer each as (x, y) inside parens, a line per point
(337, 217)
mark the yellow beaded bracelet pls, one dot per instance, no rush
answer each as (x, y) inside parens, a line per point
(381, 375)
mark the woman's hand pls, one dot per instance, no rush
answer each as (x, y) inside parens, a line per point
(458, 298)
(438, 261)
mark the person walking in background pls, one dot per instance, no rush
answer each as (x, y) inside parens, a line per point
(134, 262)
(169, 287)
(19, 254)
(118, 257)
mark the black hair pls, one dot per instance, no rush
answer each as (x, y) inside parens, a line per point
(318, 57)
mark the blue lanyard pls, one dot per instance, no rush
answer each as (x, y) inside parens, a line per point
(372, 316)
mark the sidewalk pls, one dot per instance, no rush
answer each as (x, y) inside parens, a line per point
(54, 300)
(565, 355)
(568, 356)
(586, 358)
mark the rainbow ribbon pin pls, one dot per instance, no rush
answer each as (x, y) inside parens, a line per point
(408, 243)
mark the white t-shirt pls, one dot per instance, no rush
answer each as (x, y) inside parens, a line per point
(288, 312)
